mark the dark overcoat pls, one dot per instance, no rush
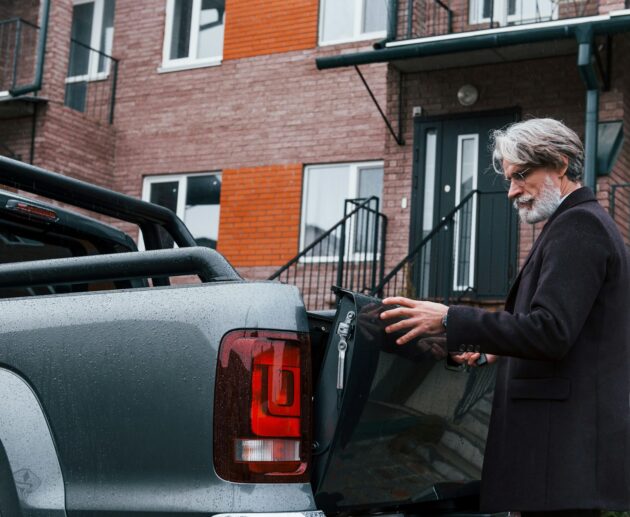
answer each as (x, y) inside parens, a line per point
(559, 433)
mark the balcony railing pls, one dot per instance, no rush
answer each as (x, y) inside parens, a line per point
(91, 82)
(426, 18)
(18, 53)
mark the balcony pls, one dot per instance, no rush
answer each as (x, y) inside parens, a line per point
(90, 85)
(91, 82)
(426, 18)
(18, 54)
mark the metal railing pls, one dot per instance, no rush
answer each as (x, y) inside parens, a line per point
(499, 13)
(91, 82)
(443, 264)
(350, 255)
(18, 53)
(428, 18)
(619, 207)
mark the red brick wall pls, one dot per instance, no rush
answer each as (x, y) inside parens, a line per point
(268, 109)
(256, 27)
(260, 215)
(26, 9)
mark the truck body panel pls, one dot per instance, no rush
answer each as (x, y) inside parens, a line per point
(126, 381)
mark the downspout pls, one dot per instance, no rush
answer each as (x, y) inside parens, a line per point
(392, 25)
(587, 72)
(41, 51)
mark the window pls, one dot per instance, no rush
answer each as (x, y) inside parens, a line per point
(512, 12)
(466, 221)
(194, 198)
(326, 187)
(352, 20)
(194, 33)
(92, 38)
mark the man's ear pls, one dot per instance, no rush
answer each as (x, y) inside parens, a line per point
(563, 170)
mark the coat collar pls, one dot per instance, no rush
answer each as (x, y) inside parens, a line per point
(577, 197)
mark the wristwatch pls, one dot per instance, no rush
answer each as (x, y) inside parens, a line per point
(444, 319)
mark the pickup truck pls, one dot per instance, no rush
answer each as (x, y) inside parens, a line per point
(124, 394)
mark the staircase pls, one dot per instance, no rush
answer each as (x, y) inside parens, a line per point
(349, 255)
(442, 265)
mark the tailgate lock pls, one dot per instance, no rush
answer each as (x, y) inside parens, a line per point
(343, 331)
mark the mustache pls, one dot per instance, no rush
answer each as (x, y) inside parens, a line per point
(525, 198)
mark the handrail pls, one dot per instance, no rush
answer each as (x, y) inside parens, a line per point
(77, 42)
(446, 220)
(324, 235)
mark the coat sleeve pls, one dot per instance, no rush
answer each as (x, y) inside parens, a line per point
(575, 257)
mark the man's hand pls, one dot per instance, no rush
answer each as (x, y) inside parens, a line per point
(470, 358)
(422, 318)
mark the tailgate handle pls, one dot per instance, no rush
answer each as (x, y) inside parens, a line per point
(343, 331)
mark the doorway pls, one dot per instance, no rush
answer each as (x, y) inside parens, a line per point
(474, 256)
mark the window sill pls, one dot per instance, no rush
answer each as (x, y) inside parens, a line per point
(87, 78)
(355, 39)
(177, 67)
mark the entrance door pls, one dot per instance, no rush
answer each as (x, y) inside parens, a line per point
(475, 255)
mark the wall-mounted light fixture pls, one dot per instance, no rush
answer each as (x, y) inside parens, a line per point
(467, 95)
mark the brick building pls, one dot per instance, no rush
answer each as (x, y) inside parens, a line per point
(249, 119)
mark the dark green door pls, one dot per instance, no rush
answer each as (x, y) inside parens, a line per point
(475, 256)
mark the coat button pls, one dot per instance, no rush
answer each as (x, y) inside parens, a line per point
(462, 348)
(477, 348)
(470, 348)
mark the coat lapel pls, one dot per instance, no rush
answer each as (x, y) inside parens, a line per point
(581, 195)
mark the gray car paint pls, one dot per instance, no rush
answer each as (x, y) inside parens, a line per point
(29, 446)
(126, 379)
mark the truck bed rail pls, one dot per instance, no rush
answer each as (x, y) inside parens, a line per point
(209, 265)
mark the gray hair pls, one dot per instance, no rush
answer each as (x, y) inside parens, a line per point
(539, 142)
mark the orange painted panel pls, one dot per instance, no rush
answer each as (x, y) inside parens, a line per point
(260, 215)
(258, 27)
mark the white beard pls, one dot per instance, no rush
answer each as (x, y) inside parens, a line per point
(542, 206)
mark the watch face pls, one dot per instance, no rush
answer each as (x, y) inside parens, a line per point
(467, 95)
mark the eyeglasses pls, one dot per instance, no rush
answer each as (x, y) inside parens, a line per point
(518, 177)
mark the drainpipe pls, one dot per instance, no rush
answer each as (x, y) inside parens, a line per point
(41, 51)
(392, 24)
(589, 77)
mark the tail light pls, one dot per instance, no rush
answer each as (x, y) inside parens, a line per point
(262, 407)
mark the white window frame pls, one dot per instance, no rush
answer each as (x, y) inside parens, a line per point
(475, 12)
(95, 41)
(185, 63)
(357, 35)
(353, 193)
(182, 189)
(473, 230)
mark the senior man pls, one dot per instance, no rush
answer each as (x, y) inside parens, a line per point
(559, 439)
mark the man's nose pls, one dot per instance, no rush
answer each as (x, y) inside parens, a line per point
(515, 190)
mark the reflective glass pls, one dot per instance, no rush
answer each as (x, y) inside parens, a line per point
(107, 35)
(370, 184)
(338, 19)
(201, 213)
(428, 208)
(82, 16)
(326, 189)
(165, 194)
(180, 36)
(465, 222)
(374, 15)
(210, 43)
